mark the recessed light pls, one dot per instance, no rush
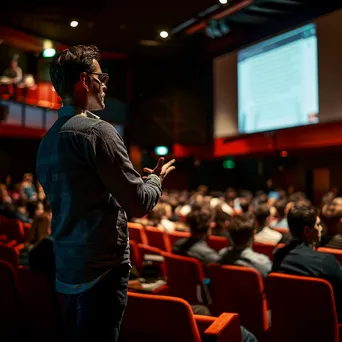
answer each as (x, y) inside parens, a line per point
(163, 34)
(74, 23)
(223, 2)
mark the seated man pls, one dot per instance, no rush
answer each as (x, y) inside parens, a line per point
(332, 218)
(241, 231)
(264, 233)
(281, 220)
(196, 245)
(298, 256)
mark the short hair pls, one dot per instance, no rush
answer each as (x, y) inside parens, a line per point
(261, 212)
(299, 217)
(67, 66)
(280, 206)
(241, 229)
(332, 212)
(244, 204)
(199, 221)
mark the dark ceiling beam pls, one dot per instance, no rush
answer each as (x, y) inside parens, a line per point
(224, 12)
(257, 9)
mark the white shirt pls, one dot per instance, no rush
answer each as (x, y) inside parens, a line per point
(268, 235)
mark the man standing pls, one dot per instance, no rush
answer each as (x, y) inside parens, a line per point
(84, 168)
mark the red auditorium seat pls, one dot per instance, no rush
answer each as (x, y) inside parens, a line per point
(11, 319)
(146, 249)
(9, 255)
(13, 229)
(27, 228)
(158, 318)
(137, 233)
(239, 289)
(333, 251)
(175, 236)
(302, 309)
(32, 95)
(158, 239)
(264, 248)
(185, 277)
(217, 242)
(40, 304)
(134, 255)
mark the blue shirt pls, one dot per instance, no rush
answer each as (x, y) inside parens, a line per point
(90, 182)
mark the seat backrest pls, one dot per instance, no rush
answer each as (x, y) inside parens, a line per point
(11, 323)
(14, 230)
(334, 251)
(185, 277)
(39, 302)
(137, 232)
(239, 289)
(146, 249)
(27, 228)
(264, 248)
(217, 242)
(135, 255)
(157, 238)
(175, 236)
(157, 318)
(302, 309)
(9, 255)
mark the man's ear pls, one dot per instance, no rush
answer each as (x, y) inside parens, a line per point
(84, 80)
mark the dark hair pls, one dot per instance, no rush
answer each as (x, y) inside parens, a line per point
(280, 206)
(241, 229)
(199, 221)
(244, 204)
(220, 218)
(67, 66)
(261, 212)
(299, 217)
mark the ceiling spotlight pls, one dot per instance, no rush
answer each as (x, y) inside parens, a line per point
(223, 2)
(74, 23)
(163, 34)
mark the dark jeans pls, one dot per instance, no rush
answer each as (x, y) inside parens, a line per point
(96, 314)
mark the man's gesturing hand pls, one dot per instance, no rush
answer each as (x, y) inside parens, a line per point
(161, 170)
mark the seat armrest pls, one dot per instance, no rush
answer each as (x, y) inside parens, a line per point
(225, 328)
(12, 243)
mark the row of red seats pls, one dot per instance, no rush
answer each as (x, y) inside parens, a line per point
(29, 306)
(29, 309)
(13, 233)
(241, 290)
(42, 94)
(152, 236)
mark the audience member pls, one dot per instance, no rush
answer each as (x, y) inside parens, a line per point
(14, 72)
(41, 227)
(299, 258)
(28, 188)
(281, 220)
(196, 245)
(241, 231)
(264, 233)
(332, 218)
(221, 223)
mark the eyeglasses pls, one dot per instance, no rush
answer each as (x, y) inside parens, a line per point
(102, 77)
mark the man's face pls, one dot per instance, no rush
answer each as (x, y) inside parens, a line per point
(97, 89)
(318, 230)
